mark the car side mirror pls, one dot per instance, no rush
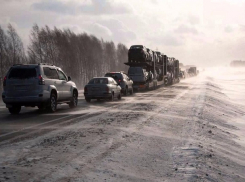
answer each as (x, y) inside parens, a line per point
(69, 78)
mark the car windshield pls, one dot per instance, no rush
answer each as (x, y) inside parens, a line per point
(22, 73)
(116, 76)
(98, 81)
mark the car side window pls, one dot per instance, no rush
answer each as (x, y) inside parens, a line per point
(110, 81)
(50, 73)
(62, 76)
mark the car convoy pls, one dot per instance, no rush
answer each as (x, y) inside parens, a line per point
(45, 86)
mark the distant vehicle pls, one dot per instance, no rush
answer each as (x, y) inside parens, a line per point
(138, 53)
(123, 80)
(40, 85)
(192, 71)
(182, 74)
(102, 88)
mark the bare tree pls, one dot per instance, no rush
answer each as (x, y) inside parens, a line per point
(15, 47)
(81, 56)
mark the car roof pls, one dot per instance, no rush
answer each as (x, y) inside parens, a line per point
(100, 77)
(33, 65)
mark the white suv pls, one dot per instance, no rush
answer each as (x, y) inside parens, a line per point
(40, 85)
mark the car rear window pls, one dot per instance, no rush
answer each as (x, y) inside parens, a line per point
(22, 73)
(98, 81)
(116, 76)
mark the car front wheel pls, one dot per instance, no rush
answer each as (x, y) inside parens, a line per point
(53, 103)
(74, 100)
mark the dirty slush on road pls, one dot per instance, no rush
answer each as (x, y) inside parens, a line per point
(180, 133)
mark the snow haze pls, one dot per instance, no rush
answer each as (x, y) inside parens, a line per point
(205, 33)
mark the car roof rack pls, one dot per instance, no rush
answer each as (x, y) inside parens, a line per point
(45, 64)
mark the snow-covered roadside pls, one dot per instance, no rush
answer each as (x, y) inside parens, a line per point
(214, 150)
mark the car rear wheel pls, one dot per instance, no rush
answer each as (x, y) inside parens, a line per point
(119, 97)
(112, 97)
(15, 109)
(74, 100)
(126, 91)
(52, 103)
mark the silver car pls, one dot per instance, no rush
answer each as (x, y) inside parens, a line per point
(39, 85)
(102, 88)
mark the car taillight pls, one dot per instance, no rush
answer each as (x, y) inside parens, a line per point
(107, 89)
(4, 81)
(85, 89)
(41, 80)
(119, 80)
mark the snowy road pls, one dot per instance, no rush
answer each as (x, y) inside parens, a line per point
(177, 133)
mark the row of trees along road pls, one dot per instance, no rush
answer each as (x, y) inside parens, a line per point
(81, 56)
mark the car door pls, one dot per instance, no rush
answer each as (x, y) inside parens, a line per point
(116, 87)
(129, 81)
(65, 85)
(52, 78)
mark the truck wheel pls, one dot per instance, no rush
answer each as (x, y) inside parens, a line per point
(15, 109)
(74, 100)
(52, 103)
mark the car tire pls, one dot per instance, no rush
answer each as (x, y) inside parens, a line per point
(52, 103)
(125, 91)
(88, 100)
(15, 109)
(112, 97)
(119, 97)
(74, 100)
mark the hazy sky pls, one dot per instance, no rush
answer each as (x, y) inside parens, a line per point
(201, 32)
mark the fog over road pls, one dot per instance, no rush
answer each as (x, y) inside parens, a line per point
(191, 131)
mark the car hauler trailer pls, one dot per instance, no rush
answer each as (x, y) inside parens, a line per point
(171, 70)
(147, 75)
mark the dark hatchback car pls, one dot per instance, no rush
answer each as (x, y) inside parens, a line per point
(123, 80)
(102, 88)
(138, 53)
